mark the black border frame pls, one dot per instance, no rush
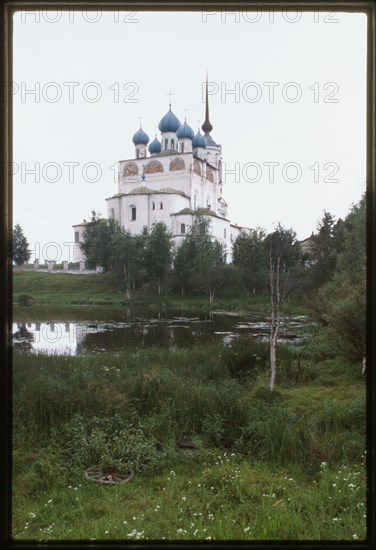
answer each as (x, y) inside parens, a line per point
(7, 10)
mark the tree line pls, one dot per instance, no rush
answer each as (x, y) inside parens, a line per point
(330, 277)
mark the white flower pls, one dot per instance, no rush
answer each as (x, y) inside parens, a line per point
(246, 529)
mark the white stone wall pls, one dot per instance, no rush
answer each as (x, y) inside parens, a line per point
(77, 252)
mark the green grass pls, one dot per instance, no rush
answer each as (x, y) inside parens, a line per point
(67, 290)
(216, 496)
(284, 466)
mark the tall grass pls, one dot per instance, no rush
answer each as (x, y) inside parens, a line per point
(263, 466)
(95, 405)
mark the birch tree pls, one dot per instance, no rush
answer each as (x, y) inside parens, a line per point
(283, 252)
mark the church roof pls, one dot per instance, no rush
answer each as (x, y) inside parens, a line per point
(185, 131)
(141, 191)
(199, 140)
(140, 137)
(148, 191)
(169, 123)
(155, 146)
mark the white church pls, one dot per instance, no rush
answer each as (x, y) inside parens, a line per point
(169, 179)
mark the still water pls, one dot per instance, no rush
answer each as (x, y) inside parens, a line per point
(140, 330)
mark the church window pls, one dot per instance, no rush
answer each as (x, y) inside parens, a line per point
(153, 205)
(172, 144)
(145, 230)
(112, 213)
(137, 153)
(231, 237)
(182, 228)
(194, 201)
(161, 206)
(224, 233)
(133, 213)
(166, 144)
(76, 237)
(182, 147)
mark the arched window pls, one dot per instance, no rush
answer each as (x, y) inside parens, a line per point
(166, 144)
(172, 144)
(112, 213)
(224, 233)
(182, 147)
(182, 228)
(161, 206)
(153, 205)
(133, 213)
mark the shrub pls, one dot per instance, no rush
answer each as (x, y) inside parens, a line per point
(245, 357)
(25, 300)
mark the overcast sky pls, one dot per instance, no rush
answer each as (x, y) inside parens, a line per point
(284, 88)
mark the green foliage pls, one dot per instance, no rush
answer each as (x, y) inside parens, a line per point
(342, 301)
(250, 257)
(158, 256)
(97, 245)
(245, 357)
(24, 299)
(20, 247)
(258, 454)
(199, 260)
(328, 243)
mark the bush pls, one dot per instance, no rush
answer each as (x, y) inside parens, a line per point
(245, 357)
(25, 300)
(116, 441)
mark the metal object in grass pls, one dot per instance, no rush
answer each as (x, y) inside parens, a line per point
(108, 475)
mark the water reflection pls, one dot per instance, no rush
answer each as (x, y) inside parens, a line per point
(160, 330)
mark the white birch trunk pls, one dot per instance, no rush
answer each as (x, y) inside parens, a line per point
(275, 320)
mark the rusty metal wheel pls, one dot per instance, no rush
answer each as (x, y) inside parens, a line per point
(108, 475)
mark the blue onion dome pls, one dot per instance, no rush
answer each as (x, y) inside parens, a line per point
(155, 146)
(169, 123)
(210, 141)
(185, 131)
(199, 140)
(140, 137)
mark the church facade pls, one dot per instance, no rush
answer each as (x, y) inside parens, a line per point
(168, 180)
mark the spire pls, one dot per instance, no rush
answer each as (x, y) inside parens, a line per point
(207, 127)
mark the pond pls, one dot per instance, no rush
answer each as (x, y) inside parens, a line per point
(132, 330)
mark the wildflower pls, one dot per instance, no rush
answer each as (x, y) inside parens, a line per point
(246, 529)
(49, 501)
(334, 485)
(335, 519)
(32, 514)
(355, 536)
(184, 498)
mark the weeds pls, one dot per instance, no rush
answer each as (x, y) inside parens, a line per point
(263, 465)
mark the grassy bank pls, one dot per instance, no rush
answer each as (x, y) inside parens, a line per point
(263, 465)
(65, 290)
